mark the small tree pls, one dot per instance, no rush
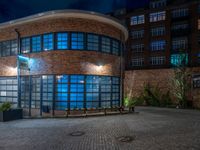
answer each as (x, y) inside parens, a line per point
(180, 81)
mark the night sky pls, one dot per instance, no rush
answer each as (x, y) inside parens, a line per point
(13, 9)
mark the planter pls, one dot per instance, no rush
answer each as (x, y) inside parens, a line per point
(12, 114)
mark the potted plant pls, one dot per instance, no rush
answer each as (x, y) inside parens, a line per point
(7, 113)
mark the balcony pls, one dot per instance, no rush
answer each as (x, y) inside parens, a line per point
(180, 18)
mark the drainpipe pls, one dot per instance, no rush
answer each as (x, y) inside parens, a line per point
(121, 71)
(18, 69)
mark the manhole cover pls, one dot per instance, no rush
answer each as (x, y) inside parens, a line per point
(77, 133)
(125, 139)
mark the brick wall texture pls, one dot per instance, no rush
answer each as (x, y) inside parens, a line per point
(136, 79)
(63, 62)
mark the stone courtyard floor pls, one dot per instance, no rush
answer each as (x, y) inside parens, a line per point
(151, 129)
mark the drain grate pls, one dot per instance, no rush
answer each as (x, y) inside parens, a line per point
(77, 133)
(126, 139)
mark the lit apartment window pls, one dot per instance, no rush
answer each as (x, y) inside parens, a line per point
(179, 59)
(158, 16)
(77, 41)
(160, 60)
(137, 20)
(180, 12)
(36, 44)
(198, 24)
(179, 43)
(62, 40)
(136, 62)
(138, 47)
(158, 31)
(48, 42)
(158, 4)
(158, 45)
(25, 45)
(137, 34)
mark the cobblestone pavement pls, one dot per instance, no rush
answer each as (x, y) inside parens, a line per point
(151, 129)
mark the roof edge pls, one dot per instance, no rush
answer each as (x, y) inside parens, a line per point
(71, 13)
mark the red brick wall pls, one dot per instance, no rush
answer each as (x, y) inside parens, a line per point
(60, 24)
(135, 80)
(65, 62)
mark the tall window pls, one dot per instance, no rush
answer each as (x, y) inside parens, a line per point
(136, 62)
(115, 47)
(158, 31)
(36, 44)
(180, 12)
(157, 60)
(105, 91)
(61, 92)
(26, 45)
(8, 90)
(35, 92)
(48, 85)
(158, 16)
(136, 34)
(5, 48)
(62, 41)
(158, 45)
(92, 91)
(93, 42)
(48, 42)
(179, 59)
(77, 41)
(179, 43)
(137, 20)
(14, 47)
(115, 91)
(105, 44)
(76, 91)
(138, 47)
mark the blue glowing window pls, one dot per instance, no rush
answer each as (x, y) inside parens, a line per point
(77, 79)
(36, 44)
(77, 41)
(26, 45)
(179, 59)
(92, 42)
(62, 41)
(77, 87)
(105, 80)
(92, 79)
(92, 88)
(158, 45)
(48, 42)
(105, 44)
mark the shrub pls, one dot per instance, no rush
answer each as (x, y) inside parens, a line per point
(5, 106)
(153, 96)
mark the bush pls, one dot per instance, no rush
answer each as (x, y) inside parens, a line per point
(5, 106)
(154, 97)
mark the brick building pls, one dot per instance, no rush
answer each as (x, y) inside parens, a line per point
(73, 60)
(161, 35)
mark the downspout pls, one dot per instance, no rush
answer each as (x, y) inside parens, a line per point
(18, 69)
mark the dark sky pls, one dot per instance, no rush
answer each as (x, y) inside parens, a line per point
(13, 9)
